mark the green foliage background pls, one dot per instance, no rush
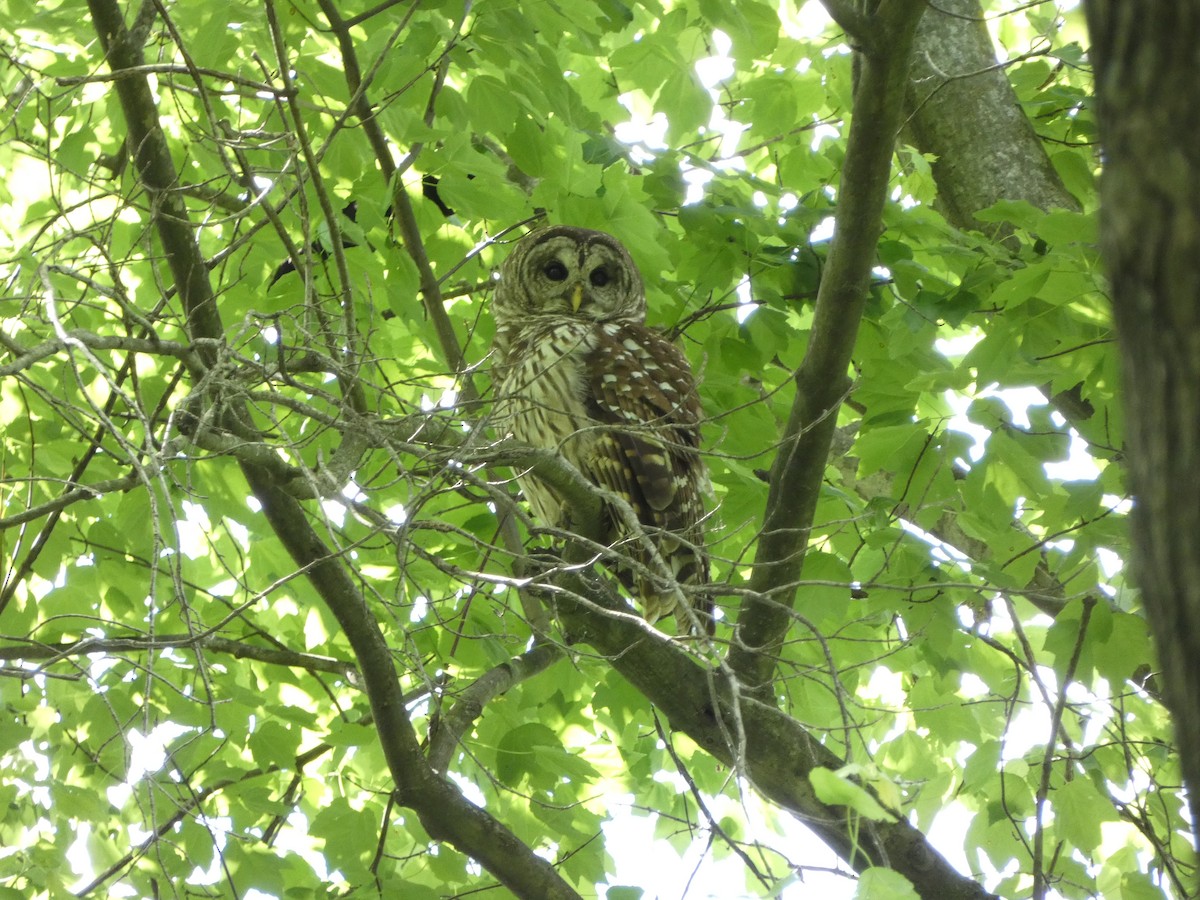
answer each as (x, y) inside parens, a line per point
(964, 633)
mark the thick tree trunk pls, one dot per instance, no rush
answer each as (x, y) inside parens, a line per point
(1144, 53)
(964, 111)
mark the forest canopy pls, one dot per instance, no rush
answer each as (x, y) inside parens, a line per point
(275, 619)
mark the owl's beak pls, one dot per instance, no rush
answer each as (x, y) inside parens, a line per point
(577, 297)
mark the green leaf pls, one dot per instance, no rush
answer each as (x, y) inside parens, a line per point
(752, 26)
(274, 744)
(1023, 285)
(491, 104)
(883, 884)
(826, 592)
(885, 448)
(837, 790)
(517, 754)
(349, 836)
(1062, 227)
(527, 148)
(1079, 810)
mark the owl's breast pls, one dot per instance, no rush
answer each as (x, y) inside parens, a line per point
(541, 391)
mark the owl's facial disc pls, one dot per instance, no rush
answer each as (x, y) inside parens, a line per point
(571, 276)
(563, 270)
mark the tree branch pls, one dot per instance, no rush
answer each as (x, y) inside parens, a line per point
(156, 171)
(964, 112)
(822, 381)
(778, 752)
(443, 810)
(94, 341)
(1041, 874)
(73, 494)
(848, 17)
(402, 206)
(771, 749)
(51, 653)
(1150, 239)
(1044, 589)
(446, 733)
(260, 87)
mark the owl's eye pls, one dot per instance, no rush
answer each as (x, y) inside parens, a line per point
(555, 271)
(599, 277)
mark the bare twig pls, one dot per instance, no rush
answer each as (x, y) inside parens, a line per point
(51, 653)
(1040, 882)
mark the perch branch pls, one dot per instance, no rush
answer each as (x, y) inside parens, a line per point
(779, 754)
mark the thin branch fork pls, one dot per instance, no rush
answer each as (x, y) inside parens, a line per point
(447, 731)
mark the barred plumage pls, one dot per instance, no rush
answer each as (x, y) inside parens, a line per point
(580, 373)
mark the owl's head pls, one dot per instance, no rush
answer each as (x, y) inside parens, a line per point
(568, 271)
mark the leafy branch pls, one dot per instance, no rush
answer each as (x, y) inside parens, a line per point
(443, 810)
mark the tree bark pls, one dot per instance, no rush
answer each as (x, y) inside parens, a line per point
(1144, 55)
(964, 111)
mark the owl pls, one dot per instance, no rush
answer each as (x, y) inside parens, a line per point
(578, 372)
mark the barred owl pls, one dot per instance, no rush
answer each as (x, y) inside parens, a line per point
(579, 372)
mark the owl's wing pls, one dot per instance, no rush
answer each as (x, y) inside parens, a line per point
(642, 381)
(640, 385)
